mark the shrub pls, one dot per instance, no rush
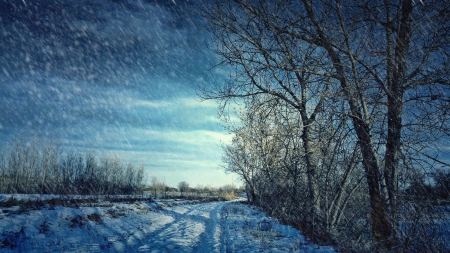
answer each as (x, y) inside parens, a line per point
(50, 170)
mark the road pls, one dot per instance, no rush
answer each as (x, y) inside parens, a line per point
(223, 227)
(193, 228)
(146, 227)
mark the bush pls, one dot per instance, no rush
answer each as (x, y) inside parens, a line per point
(228, 196)
(50, 170)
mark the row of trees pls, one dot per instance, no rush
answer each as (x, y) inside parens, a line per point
(159, 189)
(48, 170)
(227, 192)
(342, 105)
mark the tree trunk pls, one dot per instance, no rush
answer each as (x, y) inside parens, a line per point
(395, 106)
(381, 224)
(313, 189)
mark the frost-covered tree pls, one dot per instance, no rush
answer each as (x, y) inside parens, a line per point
(388, 62)
(183, 186)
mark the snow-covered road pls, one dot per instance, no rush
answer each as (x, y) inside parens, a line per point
(190, 228)
(148, 227)
(223, 227)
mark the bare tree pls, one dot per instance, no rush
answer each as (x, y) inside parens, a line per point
(270, 65)
(183, 186)
(387, 60)
(157, 186)
(48, 169)
(154, 185)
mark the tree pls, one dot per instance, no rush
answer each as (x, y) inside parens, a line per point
(273, 69)
(183, 186)
(388, 61)
(154, 184)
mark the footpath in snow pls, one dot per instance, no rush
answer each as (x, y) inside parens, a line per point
(148, 227)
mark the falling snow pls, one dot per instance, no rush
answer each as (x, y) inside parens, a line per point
(114, 77)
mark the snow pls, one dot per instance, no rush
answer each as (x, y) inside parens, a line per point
(248, 230)
(163, 226)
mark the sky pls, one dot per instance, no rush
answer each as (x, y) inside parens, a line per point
(114, 77)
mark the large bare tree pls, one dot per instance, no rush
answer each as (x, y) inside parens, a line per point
(388, 60)
(269, 64)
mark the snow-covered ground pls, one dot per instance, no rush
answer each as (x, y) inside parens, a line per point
(165, 226)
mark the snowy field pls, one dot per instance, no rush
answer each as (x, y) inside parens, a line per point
(166, 226)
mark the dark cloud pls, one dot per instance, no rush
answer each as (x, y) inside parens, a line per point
(91, 40)
(109, 76)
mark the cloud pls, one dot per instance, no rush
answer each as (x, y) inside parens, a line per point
(110, 77)
(151, 104)
(190, 137)
(192, 102)
(183, 102)
(92, 40)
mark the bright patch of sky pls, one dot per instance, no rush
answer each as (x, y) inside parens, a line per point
(113, 77)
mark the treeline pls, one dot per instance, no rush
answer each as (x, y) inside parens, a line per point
(342, 106)
(47, 169)
(159, 189)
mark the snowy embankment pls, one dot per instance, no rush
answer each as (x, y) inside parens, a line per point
(147, 227)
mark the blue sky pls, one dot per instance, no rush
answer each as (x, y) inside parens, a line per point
(113, 77)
